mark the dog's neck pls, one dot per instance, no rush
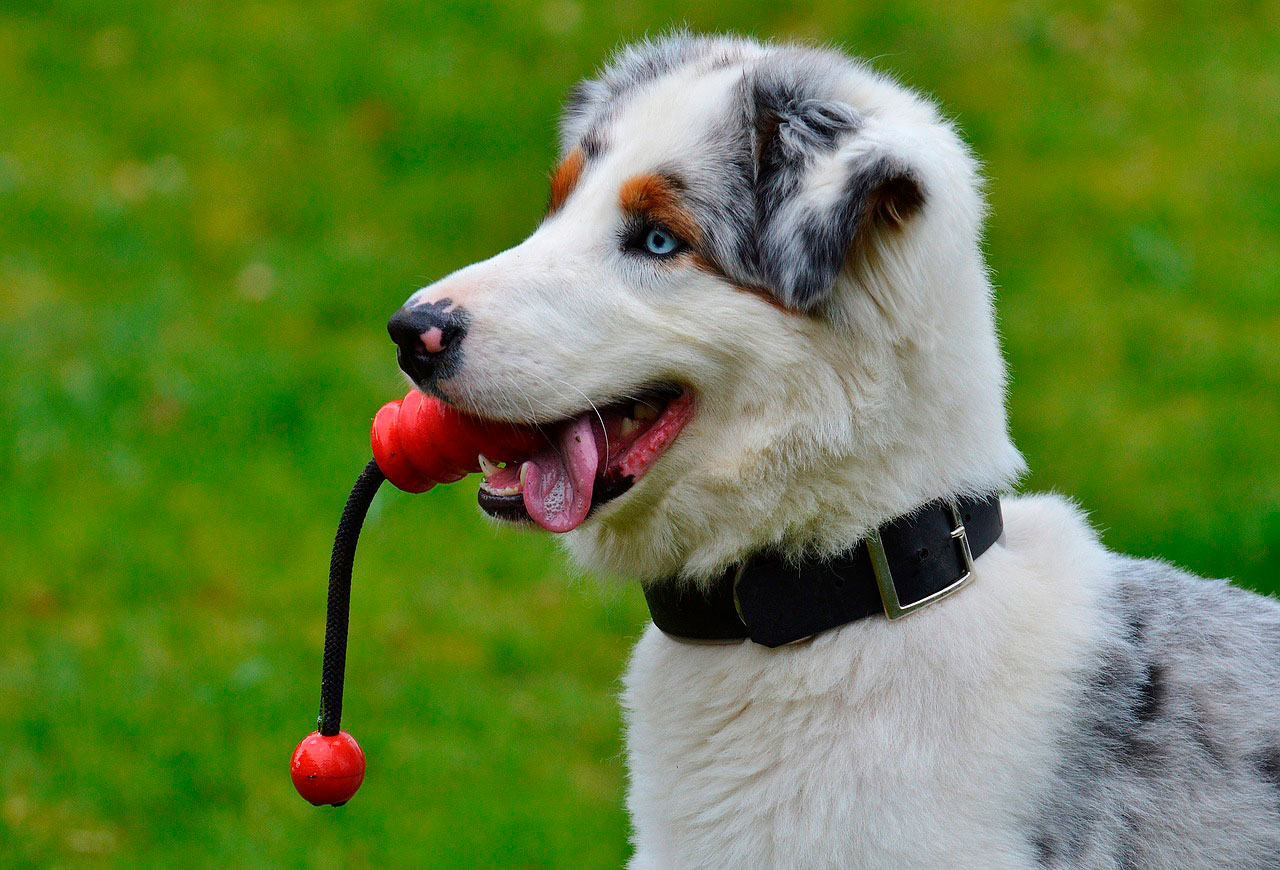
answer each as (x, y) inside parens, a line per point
(900, 568)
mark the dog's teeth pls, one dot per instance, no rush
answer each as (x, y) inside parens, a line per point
(524, 469)
(629, 426)
(495, 490)
(487, 467)
(645, 412)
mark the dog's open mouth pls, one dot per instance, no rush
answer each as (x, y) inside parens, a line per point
(590, 458)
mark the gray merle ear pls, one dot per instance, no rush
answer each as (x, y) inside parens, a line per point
(819, 191)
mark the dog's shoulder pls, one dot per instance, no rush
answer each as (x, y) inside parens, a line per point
(1172, 755)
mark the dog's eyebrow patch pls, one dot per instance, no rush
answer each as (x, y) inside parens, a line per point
(565, 178)
(657, 198)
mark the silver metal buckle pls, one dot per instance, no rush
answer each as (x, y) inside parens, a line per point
(893, 608)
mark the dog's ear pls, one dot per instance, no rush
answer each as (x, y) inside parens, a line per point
(821, 190)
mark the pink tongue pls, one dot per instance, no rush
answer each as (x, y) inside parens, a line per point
(557, 484)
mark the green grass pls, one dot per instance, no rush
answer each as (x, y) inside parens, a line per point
(207, 212)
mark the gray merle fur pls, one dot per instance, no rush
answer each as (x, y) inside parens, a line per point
(1173, 758)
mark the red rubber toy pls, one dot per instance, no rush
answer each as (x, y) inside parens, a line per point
(417, 442)
(420, 441)
(327, 770)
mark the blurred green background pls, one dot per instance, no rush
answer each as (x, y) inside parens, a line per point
(208, 211)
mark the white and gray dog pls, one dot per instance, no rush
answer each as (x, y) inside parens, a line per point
(756, 319)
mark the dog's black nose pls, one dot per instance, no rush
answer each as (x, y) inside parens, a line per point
(427, 338)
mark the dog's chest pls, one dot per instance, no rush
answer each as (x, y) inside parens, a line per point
(928, 742)
(796, 762)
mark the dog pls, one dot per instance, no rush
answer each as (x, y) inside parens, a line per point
(756, 327)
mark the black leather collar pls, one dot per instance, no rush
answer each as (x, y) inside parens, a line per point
(907, 563)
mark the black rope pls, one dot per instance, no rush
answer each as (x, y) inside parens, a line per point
(339, 607)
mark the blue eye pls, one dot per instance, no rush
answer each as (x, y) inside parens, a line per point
(660, 242)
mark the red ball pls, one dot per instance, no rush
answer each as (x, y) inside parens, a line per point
(327, 770)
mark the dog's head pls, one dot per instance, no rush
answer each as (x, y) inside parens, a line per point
(755, 313)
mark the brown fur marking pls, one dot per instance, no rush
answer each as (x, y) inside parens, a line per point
(656, 198)
(565, 178)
